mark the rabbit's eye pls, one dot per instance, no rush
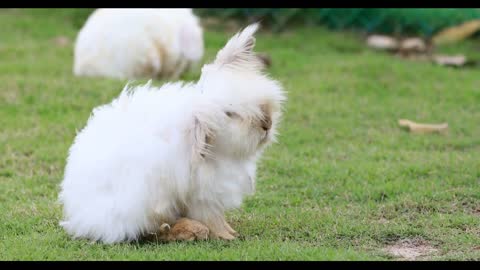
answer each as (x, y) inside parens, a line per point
(233, 115)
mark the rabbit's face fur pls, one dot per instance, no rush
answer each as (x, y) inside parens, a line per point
(249, 101)
(245, 132)
(249, 112)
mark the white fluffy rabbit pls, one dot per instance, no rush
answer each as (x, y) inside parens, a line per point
(131, 43)
(154, 155)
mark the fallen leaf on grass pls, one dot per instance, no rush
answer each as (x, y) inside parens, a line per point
(423, 128)
(382, 42)
(457, 33)
(450, 60)
(413, 45)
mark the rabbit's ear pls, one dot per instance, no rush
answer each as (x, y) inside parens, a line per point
(201, 135)
(238, 52)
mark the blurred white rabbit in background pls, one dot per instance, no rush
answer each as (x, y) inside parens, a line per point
(134, 43)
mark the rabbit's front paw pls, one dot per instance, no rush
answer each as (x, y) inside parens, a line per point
(230, 229)
(222, 235)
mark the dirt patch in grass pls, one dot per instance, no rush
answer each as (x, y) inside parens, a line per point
(410, 249)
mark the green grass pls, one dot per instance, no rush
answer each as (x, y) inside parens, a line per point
(343, 182)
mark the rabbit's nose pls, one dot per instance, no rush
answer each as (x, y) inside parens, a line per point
(267, 124)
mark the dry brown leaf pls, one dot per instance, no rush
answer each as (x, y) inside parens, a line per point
(186, 229)
(457, 33)
(183, 230)
(380, 42)
(423, 128)
(413, 45)
(450, 60)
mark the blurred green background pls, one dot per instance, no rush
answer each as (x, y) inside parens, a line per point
(422, 21)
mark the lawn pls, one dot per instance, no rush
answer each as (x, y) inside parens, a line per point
(343, 183)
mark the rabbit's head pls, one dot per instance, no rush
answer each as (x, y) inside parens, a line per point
(247, 103)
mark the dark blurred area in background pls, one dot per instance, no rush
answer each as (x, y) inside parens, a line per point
(401, 21)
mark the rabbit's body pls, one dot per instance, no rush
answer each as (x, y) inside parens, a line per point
(138, 43)
(154, 155)
(129, 170)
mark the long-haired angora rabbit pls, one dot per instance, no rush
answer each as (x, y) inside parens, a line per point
(154, 155)
(134, 43)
